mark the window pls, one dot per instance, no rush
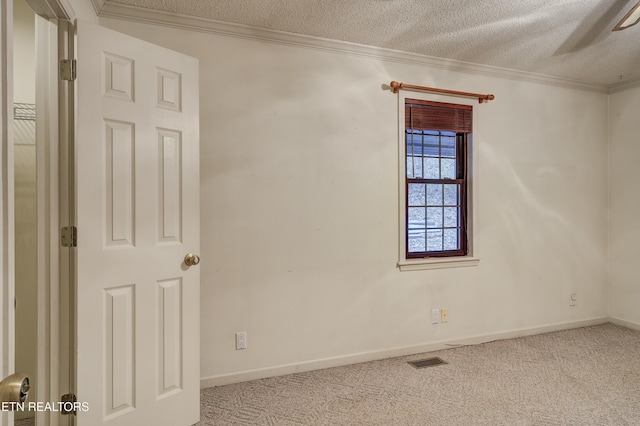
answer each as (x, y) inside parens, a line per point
(436, 139)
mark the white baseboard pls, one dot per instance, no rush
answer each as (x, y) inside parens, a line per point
(624, 323)
(280, 370)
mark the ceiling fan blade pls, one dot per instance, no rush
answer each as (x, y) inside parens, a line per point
(630, 19)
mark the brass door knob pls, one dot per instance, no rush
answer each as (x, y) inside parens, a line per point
(14, 389)
(191, 259)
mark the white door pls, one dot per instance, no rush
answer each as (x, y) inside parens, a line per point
(137, 186)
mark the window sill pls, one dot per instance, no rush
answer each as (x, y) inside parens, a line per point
(437, 263)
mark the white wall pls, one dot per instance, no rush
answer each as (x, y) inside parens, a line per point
(299, 208)
(624, 202)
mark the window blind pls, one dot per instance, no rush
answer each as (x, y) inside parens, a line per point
(426, 115)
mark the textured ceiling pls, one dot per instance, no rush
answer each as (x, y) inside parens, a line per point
(562, 38)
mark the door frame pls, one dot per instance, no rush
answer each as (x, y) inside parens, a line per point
(55, 113)
(7, 272)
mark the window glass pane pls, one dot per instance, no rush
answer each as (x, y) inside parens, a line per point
(434, 194)
(409, 167)
(432, 168)
(417, 167)
(448, 168)
(451, 216)
(434, 217)
(416, 229)
(416, 194)
(431, 144)
(448, 145)
(451, 194)
(417, 243)
(451, 240)
(414, 144)
(434, 240)
(417, 218)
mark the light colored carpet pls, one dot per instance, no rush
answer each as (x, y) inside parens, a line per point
(585, 376)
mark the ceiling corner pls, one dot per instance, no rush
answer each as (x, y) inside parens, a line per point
(98, 5)
(624, 85)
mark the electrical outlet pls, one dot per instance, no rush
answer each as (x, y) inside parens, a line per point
(444, 315)
(435, 316)
(241, 340)
(574, 299)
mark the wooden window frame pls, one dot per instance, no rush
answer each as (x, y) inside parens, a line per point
(461, 179)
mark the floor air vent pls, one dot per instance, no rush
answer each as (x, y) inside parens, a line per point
(429, 362)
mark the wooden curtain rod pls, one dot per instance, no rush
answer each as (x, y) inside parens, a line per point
(481, 98)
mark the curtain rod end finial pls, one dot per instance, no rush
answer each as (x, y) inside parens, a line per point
(486, 98)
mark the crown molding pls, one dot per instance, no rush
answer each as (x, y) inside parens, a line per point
(110, 9)
(624, 85)
(53, 9)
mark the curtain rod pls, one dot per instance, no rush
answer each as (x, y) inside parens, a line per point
(481, 98)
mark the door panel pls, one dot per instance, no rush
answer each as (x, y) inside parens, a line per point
(137, 217)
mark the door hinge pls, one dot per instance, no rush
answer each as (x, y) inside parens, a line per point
(68, 404)
(69, 236)
(68, 69)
